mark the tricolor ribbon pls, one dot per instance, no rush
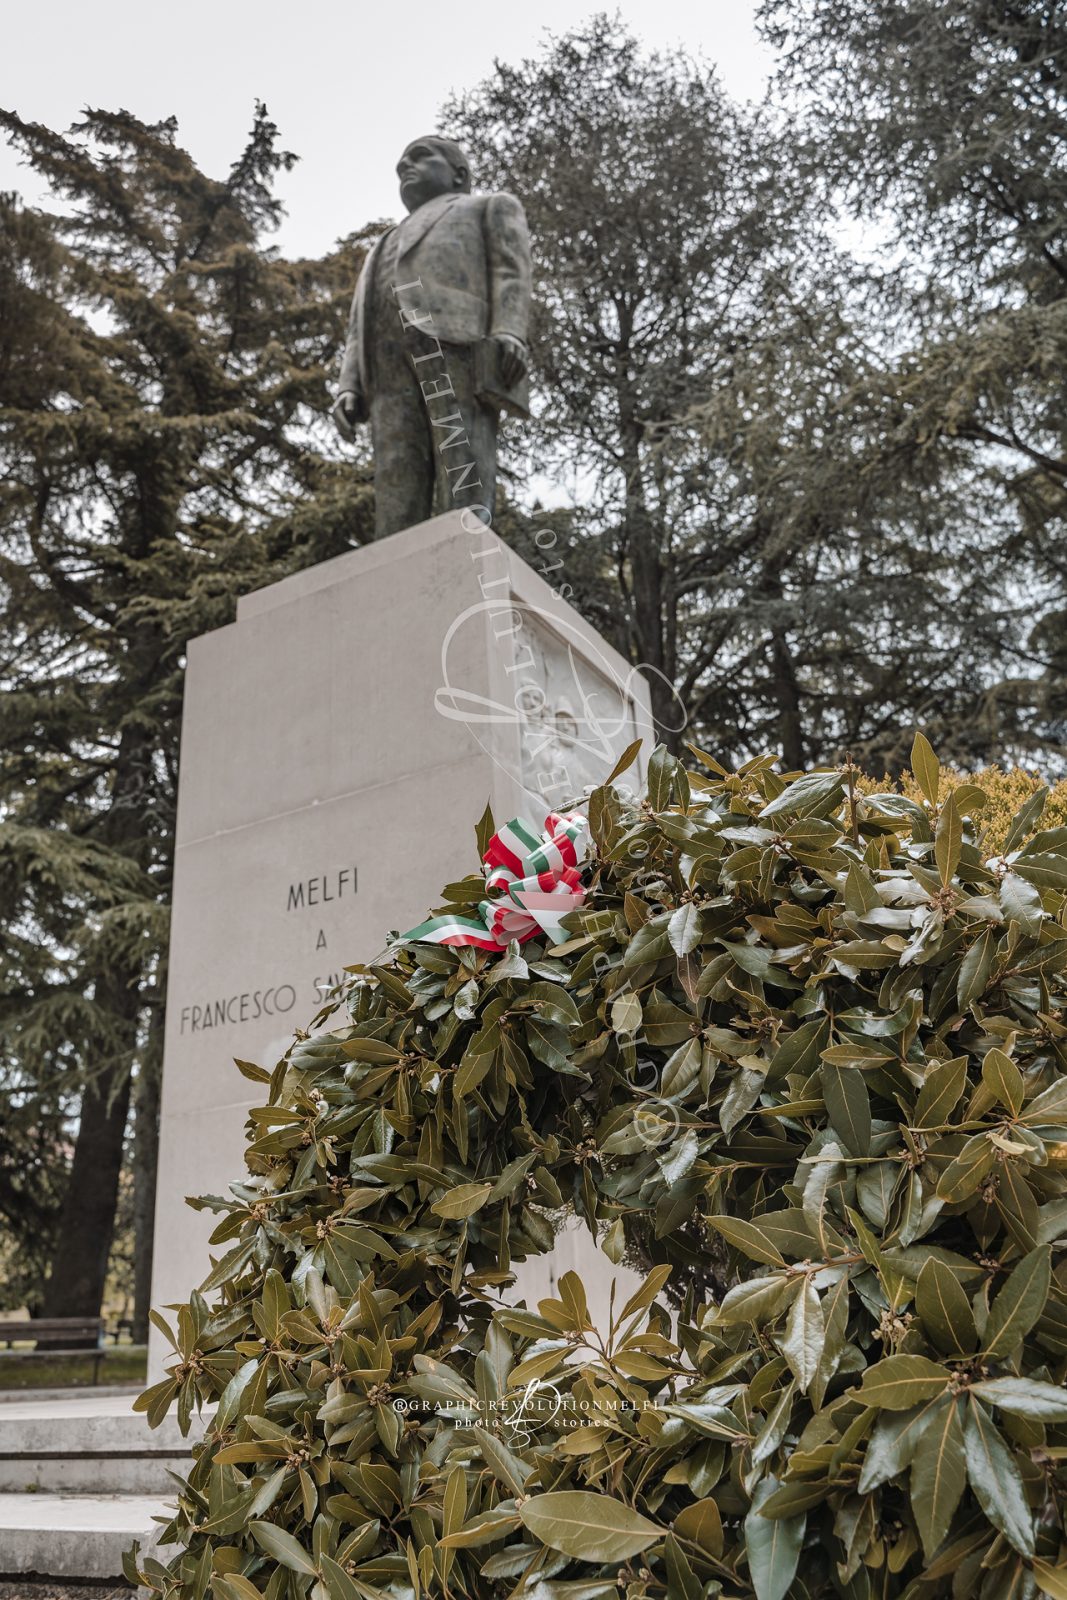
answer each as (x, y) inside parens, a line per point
(533, 881)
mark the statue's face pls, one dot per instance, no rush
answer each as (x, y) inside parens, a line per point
(424, 173)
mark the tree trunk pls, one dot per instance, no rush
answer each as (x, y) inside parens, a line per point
(784, 677)
(649, 626)
(145, 1157)
(78, 1273)
(787, 693)
(653, 632)
(75, 1286)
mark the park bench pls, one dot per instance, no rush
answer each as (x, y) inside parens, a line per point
(54, 1336)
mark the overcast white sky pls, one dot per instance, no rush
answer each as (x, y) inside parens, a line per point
(348, 83)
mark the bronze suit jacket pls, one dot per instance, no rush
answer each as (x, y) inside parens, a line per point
(472, 253)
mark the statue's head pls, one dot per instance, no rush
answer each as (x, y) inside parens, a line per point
(430, 167)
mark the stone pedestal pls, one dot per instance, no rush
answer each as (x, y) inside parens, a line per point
(339, 741)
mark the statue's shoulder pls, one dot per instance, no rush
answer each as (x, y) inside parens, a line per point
(499, 203)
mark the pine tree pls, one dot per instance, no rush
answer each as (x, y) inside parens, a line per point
(161, 373)
(944, 124)
(661, 220)
(760, 520)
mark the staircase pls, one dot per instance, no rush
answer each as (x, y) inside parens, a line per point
(81, 1477)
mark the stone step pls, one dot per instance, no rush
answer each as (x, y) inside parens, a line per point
(76, 1535)
(86, 1442)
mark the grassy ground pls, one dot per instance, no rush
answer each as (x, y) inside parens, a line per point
(121, 1364)
(59, 1589)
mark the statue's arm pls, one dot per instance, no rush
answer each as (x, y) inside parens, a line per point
(350, 407)
(507, 240)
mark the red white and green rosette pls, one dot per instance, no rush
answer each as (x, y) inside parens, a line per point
(532, 880)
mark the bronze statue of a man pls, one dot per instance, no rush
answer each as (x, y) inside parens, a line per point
(437, 340)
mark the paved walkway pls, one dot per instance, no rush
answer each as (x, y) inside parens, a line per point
(60, 1403)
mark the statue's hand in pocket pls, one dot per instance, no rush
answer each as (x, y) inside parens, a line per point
(349, 410)
(512, 359)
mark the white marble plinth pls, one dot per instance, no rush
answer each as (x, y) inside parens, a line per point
(339, 741)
